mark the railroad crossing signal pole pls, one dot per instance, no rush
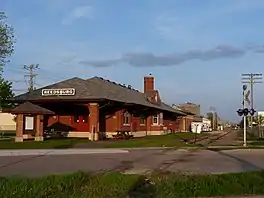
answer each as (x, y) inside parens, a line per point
(252, 79)
(245, 111)
(245, 116)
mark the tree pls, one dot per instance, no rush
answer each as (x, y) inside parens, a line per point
(6, 49)
(7, 40)
(258, 119)
(6, 93)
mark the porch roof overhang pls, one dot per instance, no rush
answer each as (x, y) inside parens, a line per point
(30, 108)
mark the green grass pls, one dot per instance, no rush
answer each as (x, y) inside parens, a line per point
(169, 140)
(116, 185)
(257, 143)
(7, 133)
(47, 144)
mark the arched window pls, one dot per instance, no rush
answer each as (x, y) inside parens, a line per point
(142, 120)
(126, 120)
(155, 119)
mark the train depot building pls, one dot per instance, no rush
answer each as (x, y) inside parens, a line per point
(95, 108)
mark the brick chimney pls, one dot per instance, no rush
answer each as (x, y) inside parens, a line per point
(148, 83)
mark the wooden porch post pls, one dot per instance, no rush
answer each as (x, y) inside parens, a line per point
(39, 128)
(19, 128)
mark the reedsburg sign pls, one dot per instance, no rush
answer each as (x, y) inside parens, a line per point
(58, 92)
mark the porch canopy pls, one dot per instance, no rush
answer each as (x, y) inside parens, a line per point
(29, 121)
(30, 108)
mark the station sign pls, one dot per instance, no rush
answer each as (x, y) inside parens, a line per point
(58, 92)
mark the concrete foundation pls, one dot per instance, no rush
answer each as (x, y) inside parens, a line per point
(39, 139)
(18, 139)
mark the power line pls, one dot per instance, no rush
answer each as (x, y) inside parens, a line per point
(31, 75)
(251, 79)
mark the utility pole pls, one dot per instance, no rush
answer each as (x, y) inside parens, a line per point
(251, 79)
(245, 116)
(31, 75)
(214, 122)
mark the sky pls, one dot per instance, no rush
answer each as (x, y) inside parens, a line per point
(196, 50)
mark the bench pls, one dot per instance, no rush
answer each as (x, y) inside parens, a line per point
(122, 134)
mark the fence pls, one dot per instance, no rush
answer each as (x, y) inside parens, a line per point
(256, 132)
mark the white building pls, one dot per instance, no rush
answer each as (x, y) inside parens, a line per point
(207, 125)
(7, 122)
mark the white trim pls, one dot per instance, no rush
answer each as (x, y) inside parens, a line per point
(93, 104)
(155, 123)
(29, 122)
(79, 134)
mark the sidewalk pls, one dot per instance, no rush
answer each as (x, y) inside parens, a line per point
(25, 152)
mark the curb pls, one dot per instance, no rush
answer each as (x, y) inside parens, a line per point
(27, 152)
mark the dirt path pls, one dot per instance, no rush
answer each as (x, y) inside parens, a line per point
(230, 139)
(220, 138)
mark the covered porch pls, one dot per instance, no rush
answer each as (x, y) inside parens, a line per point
(29, 121)
(33, 120)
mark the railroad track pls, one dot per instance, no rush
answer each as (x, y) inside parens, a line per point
(207, 141)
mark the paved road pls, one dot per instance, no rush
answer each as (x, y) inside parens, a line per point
(133, 161)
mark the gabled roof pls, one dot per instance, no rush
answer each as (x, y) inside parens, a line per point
(28, 107)
(97, 88)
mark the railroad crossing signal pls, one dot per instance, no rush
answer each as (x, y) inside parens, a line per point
(245, 112)
(246, 98)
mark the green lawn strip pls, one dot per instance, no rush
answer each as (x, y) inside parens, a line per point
(7, 133)
(257, 143)
(77, 185)
(169, 140)
(47, 144)
(235, 184)
(117, 185)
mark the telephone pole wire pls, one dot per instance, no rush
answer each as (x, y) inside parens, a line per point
(31, 75)
(251, 79)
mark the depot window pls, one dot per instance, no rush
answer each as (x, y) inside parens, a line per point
(126, 118)
(156, 119)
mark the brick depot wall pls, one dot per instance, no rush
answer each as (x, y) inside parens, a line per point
(110, 123)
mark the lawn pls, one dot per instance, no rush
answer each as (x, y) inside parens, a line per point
(7, 133)
(169, 140)
(117, 185)
(257, 143)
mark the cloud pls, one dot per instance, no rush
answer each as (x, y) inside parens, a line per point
(80, 12)
(143, 59)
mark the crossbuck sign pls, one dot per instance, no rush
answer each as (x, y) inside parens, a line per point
(58, 92)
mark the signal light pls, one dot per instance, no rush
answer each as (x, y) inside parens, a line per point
(252, 112)
(240, 112)
(246, 111)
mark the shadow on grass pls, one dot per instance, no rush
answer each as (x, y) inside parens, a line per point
(142, 188)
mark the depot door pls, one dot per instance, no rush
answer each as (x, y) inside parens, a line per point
(81, 123)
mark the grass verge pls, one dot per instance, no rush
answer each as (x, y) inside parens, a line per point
(116, 185)
(257, 143)
(169, 140)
